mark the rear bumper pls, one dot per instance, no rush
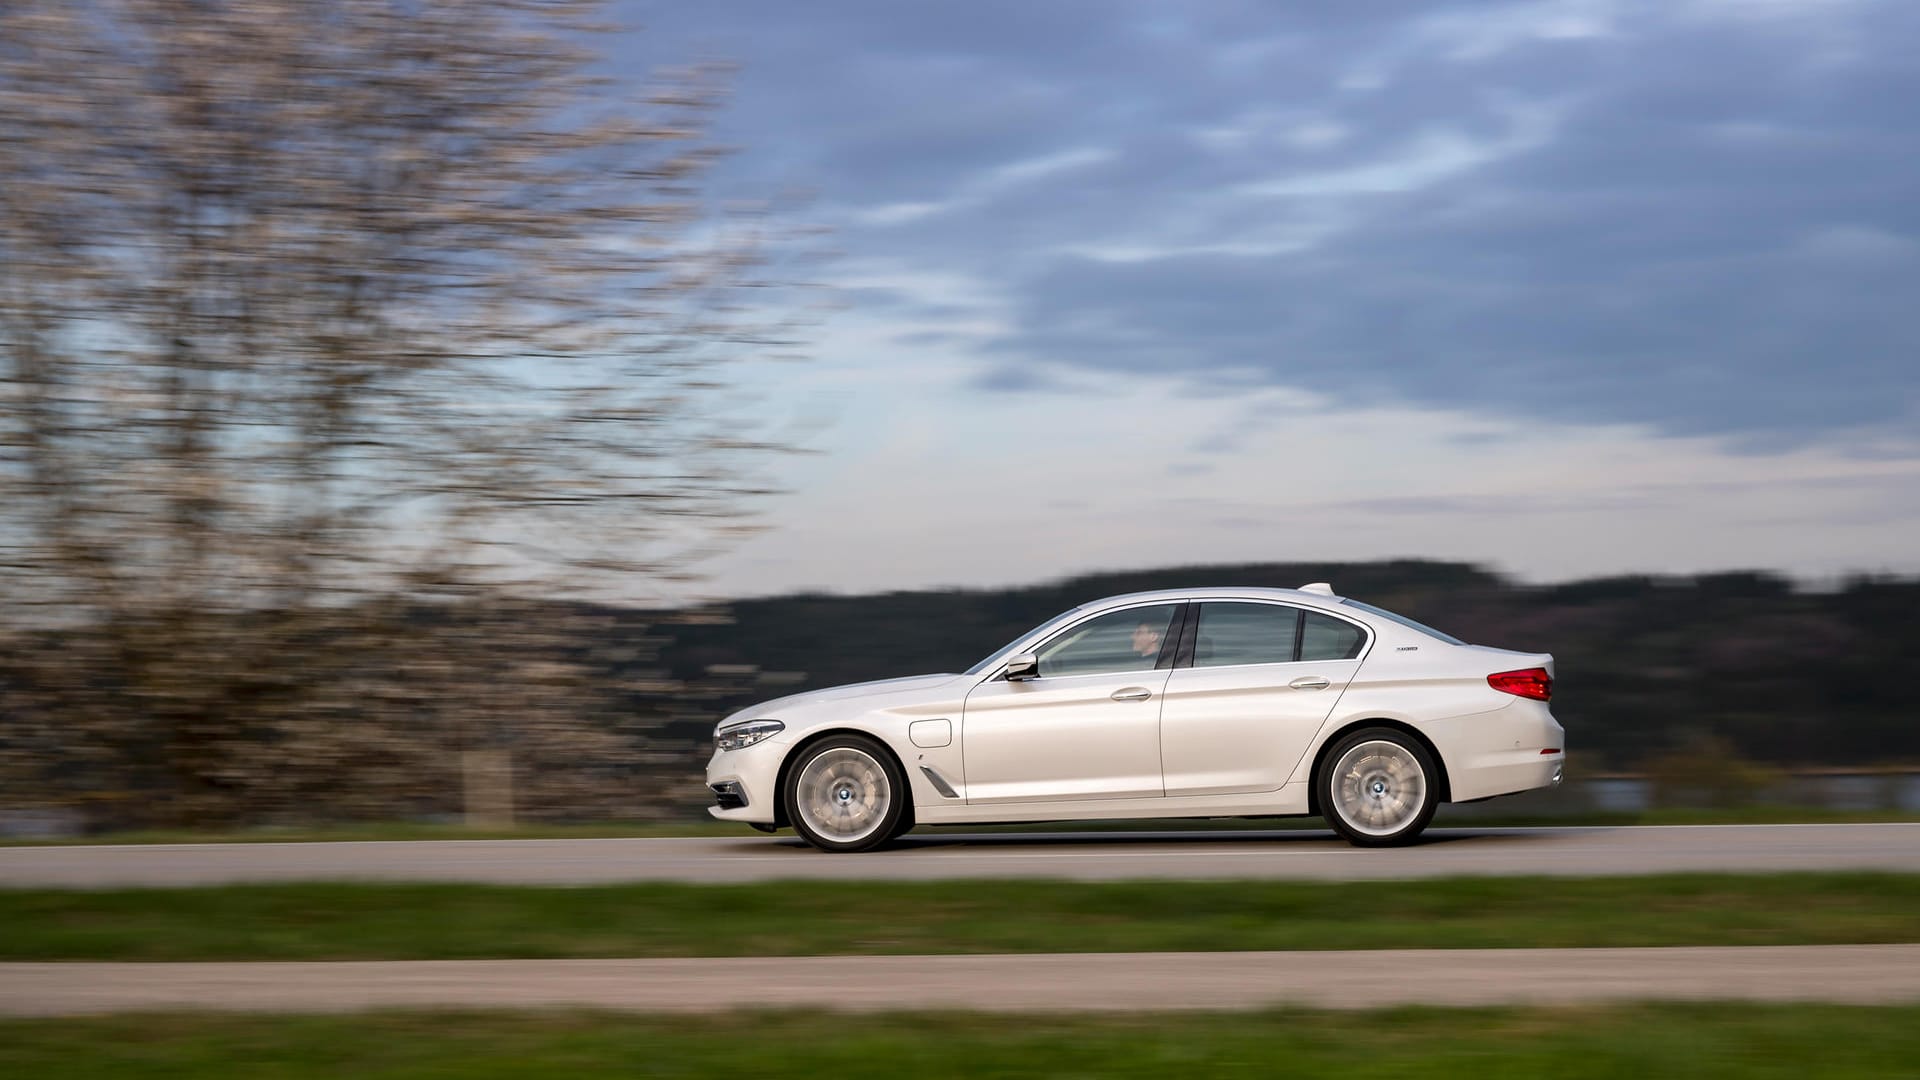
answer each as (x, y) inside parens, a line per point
(1518, 748)
(1510, 774)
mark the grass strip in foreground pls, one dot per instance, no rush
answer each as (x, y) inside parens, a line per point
(380, 921)
(1698, 1041)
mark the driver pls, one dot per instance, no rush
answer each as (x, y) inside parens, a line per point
(1146, 641)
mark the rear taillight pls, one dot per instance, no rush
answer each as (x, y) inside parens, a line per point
(1533, 682)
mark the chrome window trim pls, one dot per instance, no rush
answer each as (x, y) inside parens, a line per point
(1059, 624)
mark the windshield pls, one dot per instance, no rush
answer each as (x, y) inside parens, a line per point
(999, 655)
(1403, 621)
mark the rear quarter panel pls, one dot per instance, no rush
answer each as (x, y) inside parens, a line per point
(1489, 742)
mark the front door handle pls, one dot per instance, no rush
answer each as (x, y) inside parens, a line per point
(1132, 693)
(1309, 682)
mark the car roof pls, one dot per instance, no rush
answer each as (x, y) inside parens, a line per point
(1223, 592)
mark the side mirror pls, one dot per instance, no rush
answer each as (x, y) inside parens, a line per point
(1023, 667)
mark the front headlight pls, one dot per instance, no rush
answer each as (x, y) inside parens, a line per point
(741, 736)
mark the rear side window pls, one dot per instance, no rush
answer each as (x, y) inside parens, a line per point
(1245, 634)
(1323, 637)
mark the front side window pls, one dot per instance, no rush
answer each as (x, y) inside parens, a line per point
(1245, 634)
(1125, 640)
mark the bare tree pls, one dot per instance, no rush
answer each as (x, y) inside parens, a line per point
(340, 341)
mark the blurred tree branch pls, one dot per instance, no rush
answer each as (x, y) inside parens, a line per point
(333, 336)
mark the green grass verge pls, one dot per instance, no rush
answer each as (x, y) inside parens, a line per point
(339, 921)
(1697, 1041)
(1449, 817)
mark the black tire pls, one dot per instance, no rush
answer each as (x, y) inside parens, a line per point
(1378, 787)
(846, 794)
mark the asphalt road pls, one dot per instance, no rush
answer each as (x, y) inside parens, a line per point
(948, 855)
(1856, 974)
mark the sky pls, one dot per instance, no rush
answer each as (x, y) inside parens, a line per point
(1565, 288)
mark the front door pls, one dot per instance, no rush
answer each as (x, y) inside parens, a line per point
(1088, 727)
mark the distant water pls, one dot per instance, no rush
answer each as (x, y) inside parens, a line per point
(1898, 791)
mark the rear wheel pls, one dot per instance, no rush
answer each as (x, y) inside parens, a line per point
(845, 794)
(1376, 788)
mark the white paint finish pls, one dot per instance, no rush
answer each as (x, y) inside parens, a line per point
(1198, 742)
(1063, 739)
(1433, 682)
(1290, 800)
(930, 734)
(884, 711)
(1232, 730)
(1498, 752)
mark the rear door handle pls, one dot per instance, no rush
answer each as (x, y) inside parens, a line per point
(1309, 682)
(1132, 693)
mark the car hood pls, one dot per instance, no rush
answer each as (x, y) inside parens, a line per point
(781, 708)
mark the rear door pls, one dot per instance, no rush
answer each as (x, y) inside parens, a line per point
(1263, 678)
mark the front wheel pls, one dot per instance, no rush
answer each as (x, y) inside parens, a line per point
(1376, 788)
(845, 794)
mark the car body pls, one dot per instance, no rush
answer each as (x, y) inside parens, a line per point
(1215, 702)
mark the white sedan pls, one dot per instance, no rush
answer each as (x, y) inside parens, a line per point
(1179, 703)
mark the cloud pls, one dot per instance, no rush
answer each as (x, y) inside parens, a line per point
(901, 213)
(980, 190)
(1009, 378)
(1695, 216)
(1043, 166)
(1428, 158)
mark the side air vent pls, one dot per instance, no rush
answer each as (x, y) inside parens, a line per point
(940, 783)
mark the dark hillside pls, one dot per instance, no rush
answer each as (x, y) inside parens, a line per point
(1645, 663)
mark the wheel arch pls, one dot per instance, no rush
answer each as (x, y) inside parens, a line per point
(1444, 787)
(793, 756)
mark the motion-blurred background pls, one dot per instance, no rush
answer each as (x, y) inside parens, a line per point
(446, 411)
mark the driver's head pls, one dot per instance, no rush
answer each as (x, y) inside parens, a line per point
(1146, 640)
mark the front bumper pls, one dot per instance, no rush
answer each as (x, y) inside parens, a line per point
(745, 783)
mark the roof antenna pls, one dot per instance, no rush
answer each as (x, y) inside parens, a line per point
(1319, 587)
